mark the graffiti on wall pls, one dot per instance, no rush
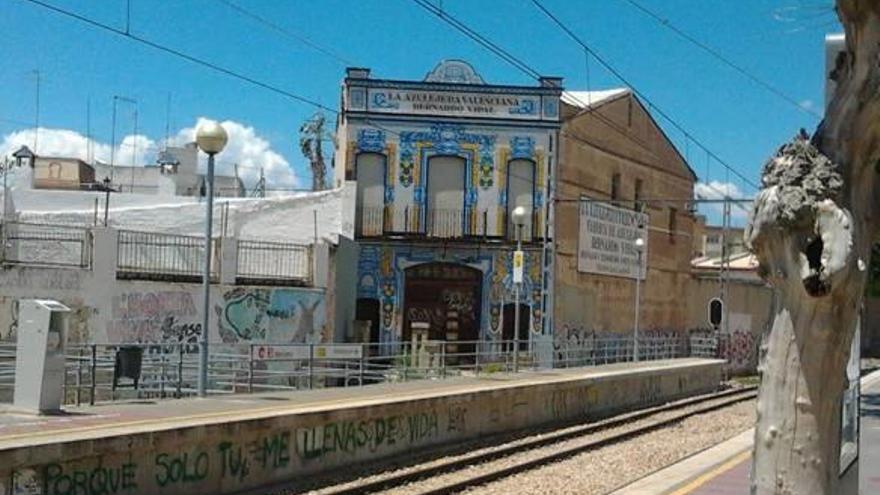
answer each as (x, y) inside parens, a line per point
(273, 315)
(154, 316)
(234, 460)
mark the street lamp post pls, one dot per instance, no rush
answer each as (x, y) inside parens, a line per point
(210, 138)
(640, 244)
(107, 191)
(519, 217)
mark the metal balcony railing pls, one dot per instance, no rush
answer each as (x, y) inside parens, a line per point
(151, 255)
(370, 221)
(267, 262)
(445, 223)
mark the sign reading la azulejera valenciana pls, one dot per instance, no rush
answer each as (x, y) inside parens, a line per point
(403, 101)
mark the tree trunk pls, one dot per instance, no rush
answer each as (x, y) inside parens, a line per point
(812, 229)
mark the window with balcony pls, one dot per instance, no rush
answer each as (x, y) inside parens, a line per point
(370, 194)
(520, 192)
(445, 194)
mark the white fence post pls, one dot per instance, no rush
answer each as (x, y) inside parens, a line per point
(106, 252)
(320, 264)
(228, 260)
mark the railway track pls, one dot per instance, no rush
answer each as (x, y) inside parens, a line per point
(473, 470)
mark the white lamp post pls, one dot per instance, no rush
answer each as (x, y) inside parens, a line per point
(210, 138)
(518, 215)
(640, 245)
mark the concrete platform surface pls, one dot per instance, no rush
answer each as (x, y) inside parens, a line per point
(724, 469)
(695, 470)
(226, 445)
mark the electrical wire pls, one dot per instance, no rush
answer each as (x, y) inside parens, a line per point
(726, 61)
(638, 92)
(183, 55)
(494, 48)
(286, 32)
(299, 98)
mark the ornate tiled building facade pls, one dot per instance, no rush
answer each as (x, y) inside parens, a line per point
(440, 163)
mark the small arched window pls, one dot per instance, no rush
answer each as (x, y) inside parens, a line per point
(54, 170)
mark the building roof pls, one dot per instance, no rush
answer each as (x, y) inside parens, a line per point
(741, 262)
(592, 99)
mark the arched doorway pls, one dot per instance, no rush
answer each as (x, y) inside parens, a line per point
(509, 319)
(443, 299)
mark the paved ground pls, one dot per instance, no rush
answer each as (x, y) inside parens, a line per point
(18, 430)
(724, 469)
(733, 478)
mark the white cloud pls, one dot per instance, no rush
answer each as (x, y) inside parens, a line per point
(245, 147)
(807, 104)
(718, 190)
(250, 151)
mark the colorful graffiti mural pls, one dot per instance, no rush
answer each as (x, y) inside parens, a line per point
(154, 316)
(271, 315)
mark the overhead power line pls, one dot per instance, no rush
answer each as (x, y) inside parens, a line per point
(286, 32)
(640, 94)
(182, 55)
(726, 61)
(518, 63)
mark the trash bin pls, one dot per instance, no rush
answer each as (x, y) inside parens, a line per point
(128, 365)
(39, 364)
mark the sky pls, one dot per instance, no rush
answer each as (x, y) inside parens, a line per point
(304, 47)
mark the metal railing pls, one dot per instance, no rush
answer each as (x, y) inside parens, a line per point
(263, 261)
(46, 244)
(445, 223)
(370, 221)
(170, 370)
(163, 256)
(376, 221)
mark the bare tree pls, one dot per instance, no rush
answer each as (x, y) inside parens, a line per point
(311, 135)
(812, 229)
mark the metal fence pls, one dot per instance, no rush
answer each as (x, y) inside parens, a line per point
(171, 369)
(376, 221)
(268, 262)
(46, 244)
(162, 256)
(370, 221)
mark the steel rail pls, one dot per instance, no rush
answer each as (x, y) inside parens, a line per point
(461, 463)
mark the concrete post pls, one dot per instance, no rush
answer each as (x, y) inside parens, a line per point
(105, 241)
(320, 264)
(228, 260)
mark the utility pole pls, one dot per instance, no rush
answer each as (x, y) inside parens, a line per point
(36, 72)
(89, 130)
(116, 99)
(724, 272)
(134, 148)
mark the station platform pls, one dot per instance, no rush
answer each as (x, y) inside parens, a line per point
(227, 444)
(725, 468)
